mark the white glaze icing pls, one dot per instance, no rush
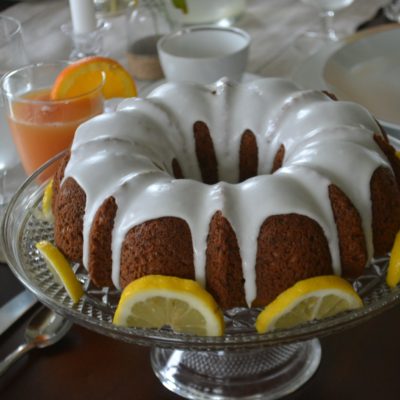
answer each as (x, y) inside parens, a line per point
(128, 155)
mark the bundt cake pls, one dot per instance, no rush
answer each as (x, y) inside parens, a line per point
(245, 188)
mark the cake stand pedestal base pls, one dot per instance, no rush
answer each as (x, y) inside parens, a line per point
(264, 373)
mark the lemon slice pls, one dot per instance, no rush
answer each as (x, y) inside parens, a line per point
(393, 272)
(47, 200)
(61, 269)
(182, 5)
(309, 299)
(155, 301)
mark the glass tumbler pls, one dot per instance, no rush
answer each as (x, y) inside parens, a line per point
(41, 126)
(12, 55)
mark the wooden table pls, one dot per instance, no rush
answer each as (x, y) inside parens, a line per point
(361, 363)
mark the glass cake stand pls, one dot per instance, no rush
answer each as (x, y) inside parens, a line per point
(242, 364)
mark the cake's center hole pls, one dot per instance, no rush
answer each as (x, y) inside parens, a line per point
(205, 152)
(210, 168)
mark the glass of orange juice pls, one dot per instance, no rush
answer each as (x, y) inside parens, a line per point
(42, 127)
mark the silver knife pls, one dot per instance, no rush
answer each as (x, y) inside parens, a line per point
(15, 308)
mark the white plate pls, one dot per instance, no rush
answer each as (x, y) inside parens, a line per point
(380, 40)
(367, 71)
(309, 74)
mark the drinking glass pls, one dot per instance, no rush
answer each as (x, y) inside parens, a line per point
(43, 127)
(327, 10)
(12, 55)
(147, 25)
(115, 15)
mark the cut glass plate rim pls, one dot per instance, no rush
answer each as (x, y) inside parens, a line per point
(96, 315)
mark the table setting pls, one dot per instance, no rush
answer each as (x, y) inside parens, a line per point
(89, 63)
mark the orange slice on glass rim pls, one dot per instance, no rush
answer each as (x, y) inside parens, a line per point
(85, 75)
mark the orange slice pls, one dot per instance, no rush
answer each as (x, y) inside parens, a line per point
(85, 76)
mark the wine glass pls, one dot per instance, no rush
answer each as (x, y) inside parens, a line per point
(327, 10)
(12, 55)
(392, 11)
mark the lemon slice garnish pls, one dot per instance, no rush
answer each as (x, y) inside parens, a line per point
(47, 201)
(309, 299)
(182, 5)
(393, 272)
(61, 269)
(155, 301)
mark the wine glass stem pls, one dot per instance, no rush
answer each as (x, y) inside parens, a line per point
(327, 24)
(3, 173)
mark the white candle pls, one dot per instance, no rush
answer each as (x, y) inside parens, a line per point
(83, 16)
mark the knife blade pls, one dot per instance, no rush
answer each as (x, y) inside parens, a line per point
(15, 308)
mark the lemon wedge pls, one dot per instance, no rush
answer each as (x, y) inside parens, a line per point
(154, 301)
(61, 269)
(393, 272)
(47, 201)
(309, 299)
